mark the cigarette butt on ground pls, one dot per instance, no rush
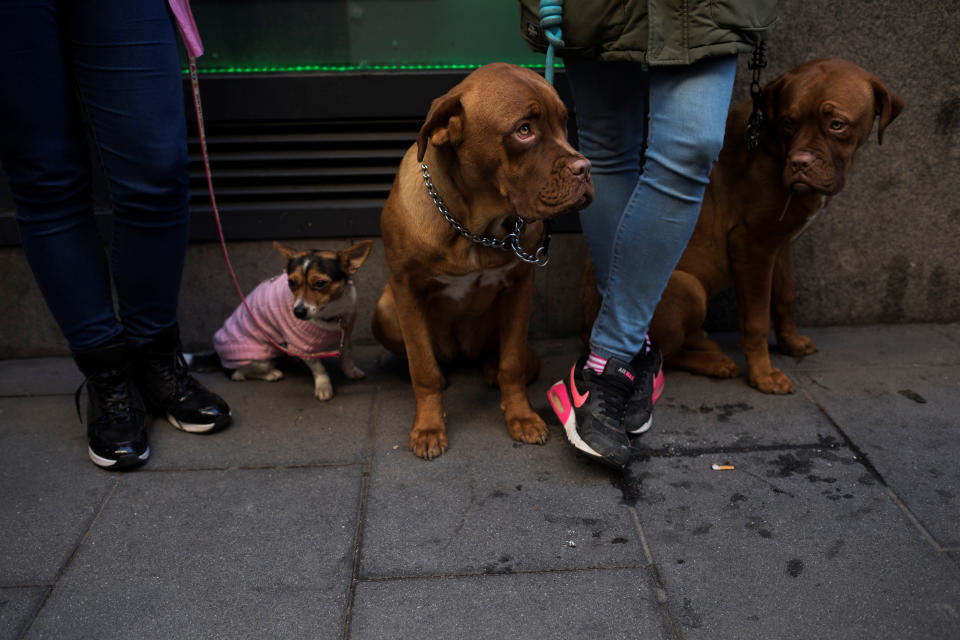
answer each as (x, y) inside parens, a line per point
(723, 467)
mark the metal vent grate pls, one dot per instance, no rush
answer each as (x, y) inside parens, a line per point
(314, 168)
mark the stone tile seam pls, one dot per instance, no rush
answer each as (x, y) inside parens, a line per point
(695, 452)
(373, 410)
(797, 370)
(663, 598)
(915, 521)
(500, 574)
(73, 554)
(264, 467)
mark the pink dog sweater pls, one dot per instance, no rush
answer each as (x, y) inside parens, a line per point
(239, 341)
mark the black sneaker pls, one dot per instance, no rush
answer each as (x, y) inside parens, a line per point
(170, 391)
(591, 408)
(648, 366)
(116, 419)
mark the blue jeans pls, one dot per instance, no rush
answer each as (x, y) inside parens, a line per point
(115, 64)
(639, 223)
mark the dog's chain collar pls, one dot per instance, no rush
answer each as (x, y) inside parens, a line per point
(510, 242)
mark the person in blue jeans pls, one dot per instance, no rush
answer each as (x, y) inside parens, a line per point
(109, 69)
(651, 85)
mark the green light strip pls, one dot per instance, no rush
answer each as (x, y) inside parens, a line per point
(349, 68)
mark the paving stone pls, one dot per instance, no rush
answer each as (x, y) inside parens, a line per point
(489, 504)
(612, 605)
(277, 423)
(231, 554)
(50, 490)
(17, 607)
(801, 540)
(905, 420)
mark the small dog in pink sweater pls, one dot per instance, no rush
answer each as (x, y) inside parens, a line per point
(308, 309)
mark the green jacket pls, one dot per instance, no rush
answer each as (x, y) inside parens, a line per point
(654, 32)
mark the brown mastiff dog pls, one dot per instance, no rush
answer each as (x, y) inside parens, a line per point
(757, 202)
(490, 165)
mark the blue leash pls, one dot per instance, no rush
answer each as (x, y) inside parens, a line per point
(551, 15)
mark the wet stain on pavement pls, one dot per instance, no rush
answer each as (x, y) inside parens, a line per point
(503, 565)
(755, 523)
(795, 568)
(912, 395)
(723, 411)
(689, 616)
(834, 549)
(787, 464)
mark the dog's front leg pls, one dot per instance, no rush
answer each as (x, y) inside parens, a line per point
(522, 422)
(753, 277)
(783, 307)
(347, 365)
(322, 387)
(428, 438)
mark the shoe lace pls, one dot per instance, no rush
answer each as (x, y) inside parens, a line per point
(176, 374)
(613, 393)
(112, 394)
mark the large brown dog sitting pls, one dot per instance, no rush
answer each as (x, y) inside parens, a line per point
(757, 202)
(495, 164)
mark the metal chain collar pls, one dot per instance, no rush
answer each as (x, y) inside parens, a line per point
(510, 242)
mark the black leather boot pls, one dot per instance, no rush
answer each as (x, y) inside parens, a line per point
(116, 419)
(169, 390)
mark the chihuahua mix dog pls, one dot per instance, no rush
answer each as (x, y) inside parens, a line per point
(309, 309)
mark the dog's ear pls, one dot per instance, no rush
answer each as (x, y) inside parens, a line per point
(888, 105)
(770, 98)
(444, 123)
(286, 252)
(352, 257)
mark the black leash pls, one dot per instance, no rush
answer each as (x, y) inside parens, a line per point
(758, 60)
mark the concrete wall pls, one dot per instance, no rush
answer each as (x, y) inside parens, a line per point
(885, 251)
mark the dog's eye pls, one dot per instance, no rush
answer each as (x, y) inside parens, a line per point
(292, 284)
(320, 285)
(837, 125)
(524, 130)
(786, 124)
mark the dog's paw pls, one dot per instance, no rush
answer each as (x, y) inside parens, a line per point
(796, 346)
(725, 369)
(428, 443)
(273, 376)
(776, 382)
(353, 372)
(238, 376)
(530, 429)
(322, 389)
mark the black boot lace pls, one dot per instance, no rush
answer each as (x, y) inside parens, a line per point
(110, 393)
(175, 374)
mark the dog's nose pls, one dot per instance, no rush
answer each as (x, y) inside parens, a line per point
(300, 311)
(801, 160)
(580, 168)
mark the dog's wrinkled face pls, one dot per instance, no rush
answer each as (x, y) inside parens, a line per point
(822, 112)
(318, 279)
(508, 129)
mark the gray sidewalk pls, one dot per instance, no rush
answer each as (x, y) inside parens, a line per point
(313, 520)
